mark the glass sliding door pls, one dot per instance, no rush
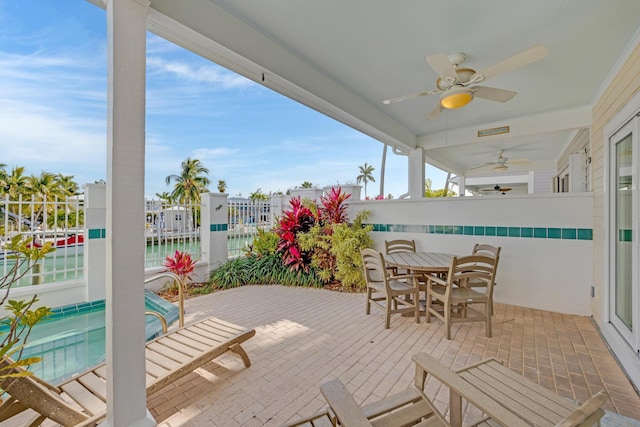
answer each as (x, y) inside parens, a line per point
(623, 293)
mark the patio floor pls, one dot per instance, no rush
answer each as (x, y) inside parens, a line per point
(305, 337)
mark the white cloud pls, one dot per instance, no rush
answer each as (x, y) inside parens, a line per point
(206, 72)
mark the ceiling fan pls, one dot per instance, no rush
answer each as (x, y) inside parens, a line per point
(497, 189)
(501, 163)
(458, 86)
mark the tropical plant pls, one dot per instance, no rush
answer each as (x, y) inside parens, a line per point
(190, 183)
(258, 195)
(263, 270)
(165, 196)
(366, 175)
(182, 265)
(222, 185)
(306, 184)
(22, 315)
(298, 219)
(429, 192)
(334, 244)
(265, 243)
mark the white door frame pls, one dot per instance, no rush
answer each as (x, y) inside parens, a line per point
(625, 349)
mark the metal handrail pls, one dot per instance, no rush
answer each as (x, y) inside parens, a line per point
(159, 316)
(180, 283)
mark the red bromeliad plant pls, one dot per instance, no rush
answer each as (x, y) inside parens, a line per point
(333, 210)
(299, 219)
(180, 264)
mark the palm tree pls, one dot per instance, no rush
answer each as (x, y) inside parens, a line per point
(15, 183)
(366, 175)
(190, 183)
(45, 188)
(67, 185)
(306, 184)
(258, 195)
(3, 178)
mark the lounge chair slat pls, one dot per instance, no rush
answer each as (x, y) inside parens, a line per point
(203, 339)
(209, 332)
(94, 383)
(160, 360)
(408, 415)
(76, 391)
(222, 325)
(388, 404)
(190, 341)
(171, 342)
(155, 370)
(169, 352)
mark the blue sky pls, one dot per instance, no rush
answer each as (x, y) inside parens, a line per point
(53, 86)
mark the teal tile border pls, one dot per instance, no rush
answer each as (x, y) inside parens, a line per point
(218, 227)
(97, 233)
(565, 233)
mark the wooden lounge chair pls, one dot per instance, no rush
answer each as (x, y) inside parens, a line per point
(506, 398)
(81, 400)
(407, 408)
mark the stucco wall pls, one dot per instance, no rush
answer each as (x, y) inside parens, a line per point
(623, 87)
(550, 270)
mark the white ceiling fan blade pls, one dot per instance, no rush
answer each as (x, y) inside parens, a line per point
(527, 56)
(519, 161)
(493, 93)
(481, 166)
(411, 96)
(436, 111)
(441, 64)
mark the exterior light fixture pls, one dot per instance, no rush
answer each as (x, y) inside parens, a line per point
(456, 97)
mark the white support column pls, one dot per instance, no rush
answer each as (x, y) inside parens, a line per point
(416, 173)
(213, 228)
(461, 186)
(125, 238)
(278, 202)
(95, 247)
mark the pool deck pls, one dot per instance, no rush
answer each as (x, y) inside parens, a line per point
(305, 337)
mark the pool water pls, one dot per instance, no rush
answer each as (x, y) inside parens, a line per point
(74, 339)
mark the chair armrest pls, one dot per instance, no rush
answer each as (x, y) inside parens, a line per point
(436, 279)
(343, 404)
(405, 276)
(586, 411)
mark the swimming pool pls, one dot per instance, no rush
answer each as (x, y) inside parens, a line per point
(73, 339)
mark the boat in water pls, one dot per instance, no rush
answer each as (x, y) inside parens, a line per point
(70, 244)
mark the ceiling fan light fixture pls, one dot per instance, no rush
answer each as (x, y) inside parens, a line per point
(456, 98)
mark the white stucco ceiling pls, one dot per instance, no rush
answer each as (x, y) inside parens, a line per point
(344, 57)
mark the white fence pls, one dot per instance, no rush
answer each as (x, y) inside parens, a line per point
(169, 227)
(246, 217)
(57, 221)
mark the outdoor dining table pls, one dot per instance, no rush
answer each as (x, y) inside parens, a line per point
(420, 262)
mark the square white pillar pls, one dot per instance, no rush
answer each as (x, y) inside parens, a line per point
(416, 173)
(125, 219)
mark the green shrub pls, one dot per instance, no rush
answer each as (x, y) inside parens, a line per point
(265, 243)
(335, 250)
(260, 270)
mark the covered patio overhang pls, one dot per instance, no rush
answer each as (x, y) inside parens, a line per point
(344, 59)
